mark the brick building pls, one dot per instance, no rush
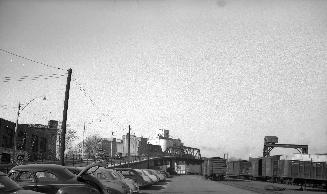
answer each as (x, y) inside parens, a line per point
(34, 141)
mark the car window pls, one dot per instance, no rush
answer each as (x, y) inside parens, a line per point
(140, 172)
(13, 174)
(46, 177)
(120, 175)
(25, 176)
(125, 173)
(115, 175)
(103, 176)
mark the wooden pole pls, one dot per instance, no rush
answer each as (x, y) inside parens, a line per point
(64, 119)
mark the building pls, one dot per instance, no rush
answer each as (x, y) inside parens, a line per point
(34, 141)
(119, 147)
(165, 141)
(143, 146)
(134, 144)
(139, 146)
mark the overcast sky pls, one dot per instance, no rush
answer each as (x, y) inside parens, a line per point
(220, 75)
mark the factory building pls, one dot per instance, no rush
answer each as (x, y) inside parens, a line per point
(165, 141)
(34, 141)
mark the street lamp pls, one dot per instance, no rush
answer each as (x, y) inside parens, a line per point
(16, 126)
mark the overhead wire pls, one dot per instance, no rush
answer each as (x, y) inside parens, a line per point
(31, 60)
(82, 89)
(7, 79)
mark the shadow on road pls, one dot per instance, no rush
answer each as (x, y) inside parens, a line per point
(153, 187)
(161, 183)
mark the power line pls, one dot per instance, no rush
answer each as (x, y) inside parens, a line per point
(31, 60)
(82, 89)
(32, 77)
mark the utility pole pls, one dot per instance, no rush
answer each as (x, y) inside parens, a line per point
(83, 142)
(64, 119)
(129, 143)
(15, 136)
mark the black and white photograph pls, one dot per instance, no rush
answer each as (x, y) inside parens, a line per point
(163, 96)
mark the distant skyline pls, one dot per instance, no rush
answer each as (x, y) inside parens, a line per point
(219, 75)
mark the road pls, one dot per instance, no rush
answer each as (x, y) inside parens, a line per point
(193, 184)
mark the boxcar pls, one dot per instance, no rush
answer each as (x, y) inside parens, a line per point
(239, 169)
(214, 168)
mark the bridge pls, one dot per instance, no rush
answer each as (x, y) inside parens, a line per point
(173, 156)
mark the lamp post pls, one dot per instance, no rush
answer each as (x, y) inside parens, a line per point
(16, 126)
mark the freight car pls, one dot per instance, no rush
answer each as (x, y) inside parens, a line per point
(265, 168)
(239, 169)
(214, 168)
(289, 171)
(302, 172)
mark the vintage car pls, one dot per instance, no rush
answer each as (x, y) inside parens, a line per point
(136, 175)
(158, 174)
(106, 176)
(130, 182)
(150, 174)
(57, 179)
(8, 186)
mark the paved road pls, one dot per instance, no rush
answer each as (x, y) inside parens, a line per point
(193, 184)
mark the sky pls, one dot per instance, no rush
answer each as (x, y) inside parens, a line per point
(220, 75)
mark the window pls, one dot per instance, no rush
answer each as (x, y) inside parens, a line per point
(25, 177)
(43, 144)
(46, 177)
(34, 142)
(125, 173)
(21, 140)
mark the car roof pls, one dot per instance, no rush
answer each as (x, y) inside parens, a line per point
(38, 167)
(123, 168)
(60, 171)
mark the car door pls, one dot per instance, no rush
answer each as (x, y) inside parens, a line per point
(47, 182)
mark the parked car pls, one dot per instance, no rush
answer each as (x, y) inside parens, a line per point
(160, 176)
(130, 182)
(136, 175)
(150, 174)
(106, 176)
(8, 186)
(56, 179)
(165, 173)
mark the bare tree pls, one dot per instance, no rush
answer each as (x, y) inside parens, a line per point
(91, 144)
(70, 138)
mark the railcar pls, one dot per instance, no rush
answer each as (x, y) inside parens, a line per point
(289, 171)
(214, 168)
(239, 169)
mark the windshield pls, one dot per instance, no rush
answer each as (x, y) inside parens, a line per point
(6, 184)
(118, 174)
(146, 172)
(140, 172)
(102, 173)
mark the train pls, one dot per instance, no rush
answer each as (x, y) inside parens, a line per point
(275, 169)
(239, 169)
(214, 168)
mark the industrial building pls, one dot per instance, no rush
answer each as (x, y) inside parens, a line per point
(139, 146)
(34, 141)
(165, 141)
